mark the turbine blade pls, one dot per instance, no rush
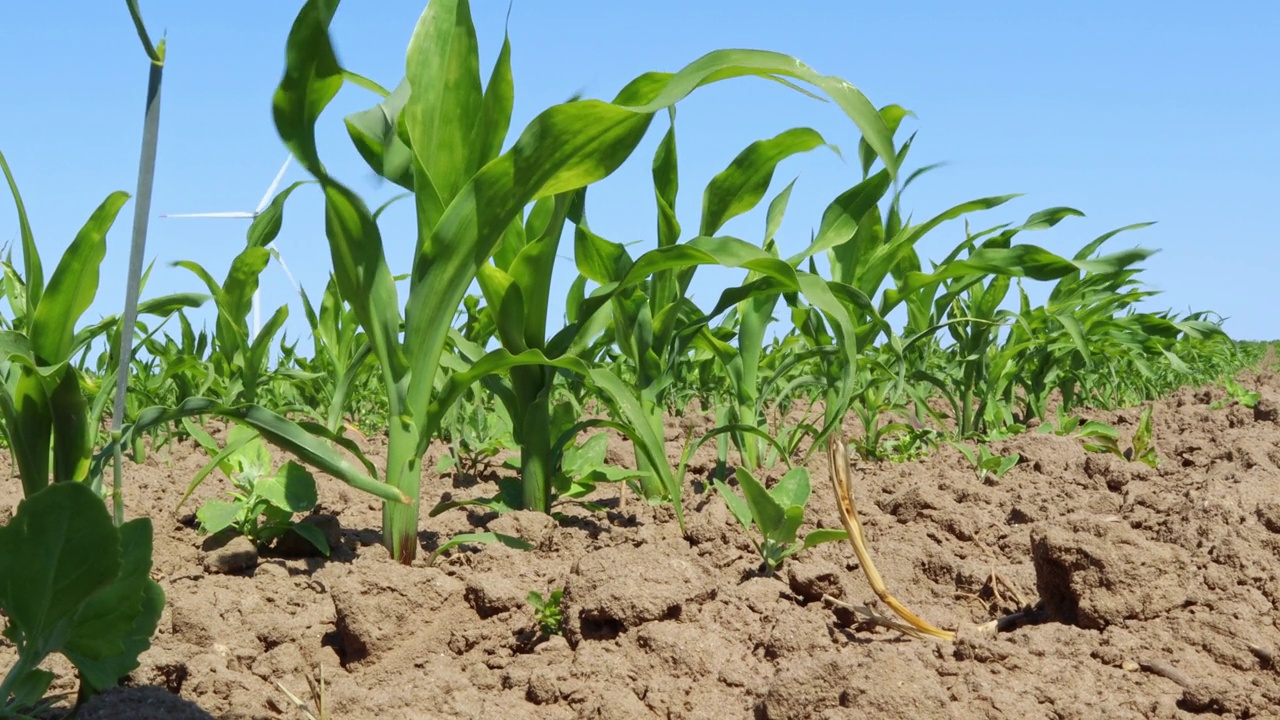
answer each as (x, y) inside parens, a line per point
(280, 259)
(271, 191)
(240, 214)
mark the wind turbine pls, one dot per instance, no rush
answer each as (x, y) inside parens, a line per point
(266, 200)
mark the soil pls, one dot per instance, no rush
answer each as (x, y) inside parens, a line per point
(1158, 592)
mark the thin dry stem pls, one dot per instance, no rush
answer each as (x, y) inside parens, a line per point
(317, 697)
(838, 457)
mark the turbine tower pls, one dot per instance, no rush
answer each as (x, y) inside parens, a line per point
(266, 200)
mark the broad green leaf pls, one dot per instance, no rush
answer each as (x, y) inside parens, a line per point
(766, 511)
(792, 489)
(373, 132)
(313, 535)
(218, 515)
(59, 549)
(116, 624)
(785, 534)
(292, 488)
(736, 504)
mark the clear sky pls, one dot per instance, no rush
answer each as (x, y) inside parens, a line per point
(1128, 111)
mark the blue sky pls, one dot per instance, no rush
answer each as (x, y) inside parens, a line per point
(1129, 112)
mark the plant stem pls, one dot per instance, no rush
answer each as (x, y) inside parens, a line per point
(141, 212)
(399, 520)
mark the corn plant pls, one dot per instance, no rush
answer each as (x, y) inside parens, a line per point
(240, 360)
(1142, 448)
(46, 415)
(441, 135)
(987, 463)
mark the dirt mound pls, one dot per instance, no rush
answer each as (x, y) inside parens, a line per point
(1162, 588)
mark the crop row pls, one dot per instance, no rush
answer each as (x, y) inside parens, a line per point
(780, 359)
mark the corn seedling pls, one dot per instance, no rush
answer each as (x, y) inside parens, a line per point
(440, 134)
(1142, 448)
(480, 538)
(987, 463)
(1236, 393)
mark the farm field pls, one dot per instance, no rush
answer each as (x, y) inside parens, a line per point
(1173, 569)
(504, 461)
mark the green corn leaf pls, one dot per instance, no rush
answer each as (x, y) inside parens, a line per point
(742, 185)
(777, 209)
(373, 132)
(242, 283)
(484, 537)
(33, 271)
(72, 434)
(312, 78)
(666, 185)
(598, 259)
(495, 112)
(443, 110)
(73, 285)
(893, 115)
(265, 228)
(276, 429)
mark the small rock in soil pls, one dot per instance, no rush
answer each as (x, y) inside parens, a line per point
(190, 621)
(804, 686)
(538, 529)
(811, 579)
(228, 553)
(1093, 573)
(491, 593)
(374, 607)
(543, 688)
(622, 587)
(1269, 516)
(1267, 411)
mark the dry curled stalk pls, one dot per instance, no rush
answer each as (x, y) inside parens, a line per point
(838, 457)
(316, 685)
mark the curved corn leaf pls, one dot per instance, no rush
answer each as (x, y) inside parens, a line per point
(275, 429)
